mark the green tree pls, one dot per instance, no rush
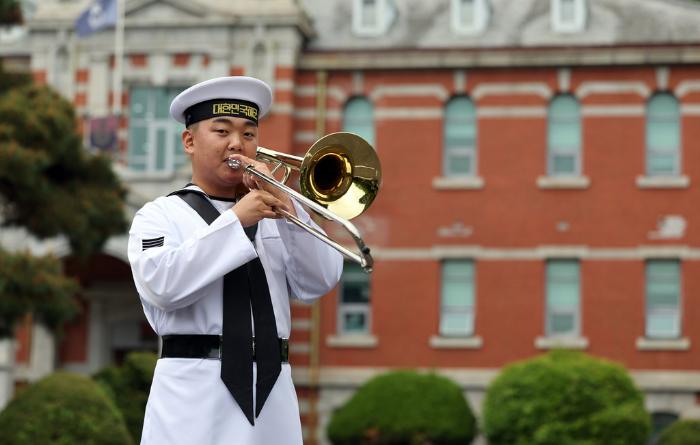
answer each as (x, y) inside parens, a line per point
(50, 186)
(565, 398)
(129, 385)
(63, 409)
(10, 12)
(404, 408)
(681, 432)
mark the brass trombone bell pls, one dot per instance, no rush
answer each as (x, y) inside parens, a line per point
(339, 177)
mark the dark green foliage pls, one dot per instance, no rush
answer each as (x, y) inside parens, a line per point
(681, 432)
(10, 81)
(48, 183)
(62, 409)
(34, 284)
(129, 386)
(10, 12)
(565, 398)
(404, 408)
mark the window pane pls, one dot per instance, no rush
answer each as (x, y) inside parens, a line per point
(358, 118)
(354, 284)
(564, 135)
(663, 299)
(369, 13)
(459, 165)
(562, 324)
(466, 12)
(661, 164)
(354, 322)
(663, 135)
(563, 164)
(563, 298)
(562, 295)
(567, 11)
(457, 324)
(663, 270)
(459, 137)
(457, 302)
(457, 294)
(663, 325)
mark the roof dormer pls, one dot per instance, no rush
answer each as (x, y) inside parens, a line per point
(470, 16)
(568, 15)
(372, 18)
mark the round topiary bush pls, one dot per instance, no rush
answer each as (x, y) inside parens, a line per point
(682, 432)
(129, 386)
(404, 408)
(62, 409)
(565, 398)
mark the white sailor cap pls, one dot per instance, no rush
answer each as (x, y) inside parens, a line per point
(237, 96)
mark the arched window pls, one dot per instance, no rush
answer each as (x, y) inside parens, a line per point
(660, 420)
(564, 137)
(459, 151)
(663, 132)
(358, 118)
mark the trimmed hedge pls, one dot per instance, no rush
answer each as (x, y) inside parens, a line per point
(129, 386)
(565, 398)
(62, 409)
(681, 432)
(402, 408)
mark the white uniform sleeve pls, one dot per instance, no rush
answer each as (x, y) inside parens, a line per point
(313, 267)
(169, 271)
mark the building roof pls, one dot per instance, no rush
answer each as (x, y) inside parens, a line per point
(53, 13)
(512, 24)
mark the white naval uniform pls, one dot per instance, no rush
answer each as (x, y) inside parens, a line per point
(180, 284)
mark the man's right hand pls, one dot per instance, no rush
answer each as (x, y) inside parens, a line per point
(256, 205)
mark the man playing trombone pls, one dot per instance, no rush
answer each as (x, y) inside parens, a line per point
(215, 267)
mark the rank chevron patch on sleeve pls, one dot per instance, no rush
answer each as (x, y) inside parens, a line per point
(152, 242)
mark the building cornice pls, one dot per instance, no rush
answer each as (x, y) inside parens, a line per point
(500, 57)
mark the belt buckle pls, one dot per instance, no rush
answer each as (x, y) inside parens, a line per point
(221, 344)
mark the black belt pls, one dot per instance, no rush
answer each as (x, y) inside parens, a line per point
(206, 346)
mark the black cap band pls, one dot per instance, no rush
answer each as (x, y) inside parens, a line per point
(221, 107)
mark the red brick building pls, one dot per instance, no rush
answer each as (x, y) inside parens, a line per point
(539, 177)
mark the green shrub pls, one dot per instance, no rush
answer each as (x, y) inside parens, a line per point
(565, 398)
(129, 386)
(682, 432)
(62, 409)
(402, 408)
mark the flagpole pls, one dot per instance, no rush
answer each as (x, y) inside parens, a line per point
(118, 56)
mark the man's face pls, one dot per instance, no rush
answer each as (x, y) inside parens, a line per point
(210, 142)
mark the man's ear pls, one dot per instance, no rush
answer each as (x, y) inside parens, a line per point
(188, 140)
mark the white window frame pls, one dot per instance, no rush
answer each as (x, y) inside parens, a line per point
(353, 308)
(467, 311)
(664, 310)
(470, 152)
(579, 20)
(675, 151)
(386, 13)
(554, 151)
(576, 312)
(482, 15)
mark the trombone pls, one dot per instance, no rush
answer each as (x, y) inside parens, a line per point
(339, 177)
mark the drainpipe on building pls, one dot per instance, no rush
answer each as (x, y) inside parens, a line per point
(315, 337)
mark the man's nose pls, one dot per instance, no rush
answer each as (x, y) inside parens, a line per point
(235, 142)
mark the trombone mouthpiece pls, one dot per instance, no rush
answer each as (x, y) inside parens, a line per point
(234, 163)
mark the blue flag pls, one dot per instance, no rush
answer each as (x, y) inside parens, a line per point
(99, 15)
